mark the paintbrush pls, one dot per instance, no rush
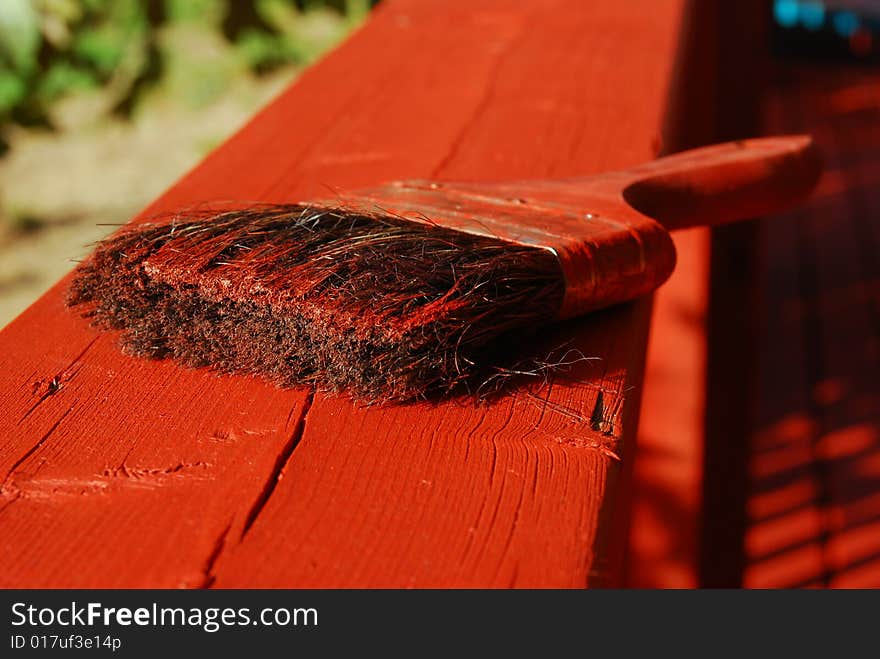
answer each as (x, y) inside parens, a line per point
(417, 288)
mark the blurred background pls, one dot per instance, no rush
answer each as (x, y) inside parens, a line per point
(812, 504)
(104, 103)
(833, 30)
(780, 486)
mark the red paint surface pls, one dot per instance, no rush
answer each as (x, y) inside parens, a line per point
(664, 546)
(133, 473)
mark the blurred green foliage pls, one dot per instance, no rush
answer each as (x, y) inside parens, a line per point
(52, 48)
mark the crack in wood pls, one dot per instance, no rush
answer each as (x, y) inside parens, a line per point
(483, 104)
(604, 444)
(57, 382)
(33, 449)
(280, 464)
(208, 572)
(598, 415)
(51, 488)
(605, 416)
(125, 471)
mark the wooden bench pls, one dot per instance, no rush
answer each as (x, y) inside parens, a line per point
(120, 472)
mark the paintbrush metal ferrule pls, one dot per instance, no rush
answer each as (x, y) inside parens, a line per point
(607, 253)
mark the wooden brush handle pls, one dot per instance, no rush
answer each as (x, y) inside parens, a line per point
(610, 231)
(725, 182)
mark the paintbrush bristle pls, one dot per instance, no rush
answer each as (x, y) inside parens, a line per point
(372, 304)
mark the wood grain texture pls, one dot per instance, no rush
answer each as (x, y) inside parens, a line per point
(122, 472)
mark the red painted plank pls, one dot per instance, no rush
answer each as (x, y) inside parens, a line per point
(505, 495)
(667, 481)
(138, 473)
(123, 472)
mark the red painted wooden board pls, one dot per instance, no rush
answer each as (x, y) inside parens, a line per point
(664, 544)
(121, 472)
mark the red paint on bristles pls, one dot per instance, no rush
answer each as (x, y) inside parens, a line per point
(375, 305)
